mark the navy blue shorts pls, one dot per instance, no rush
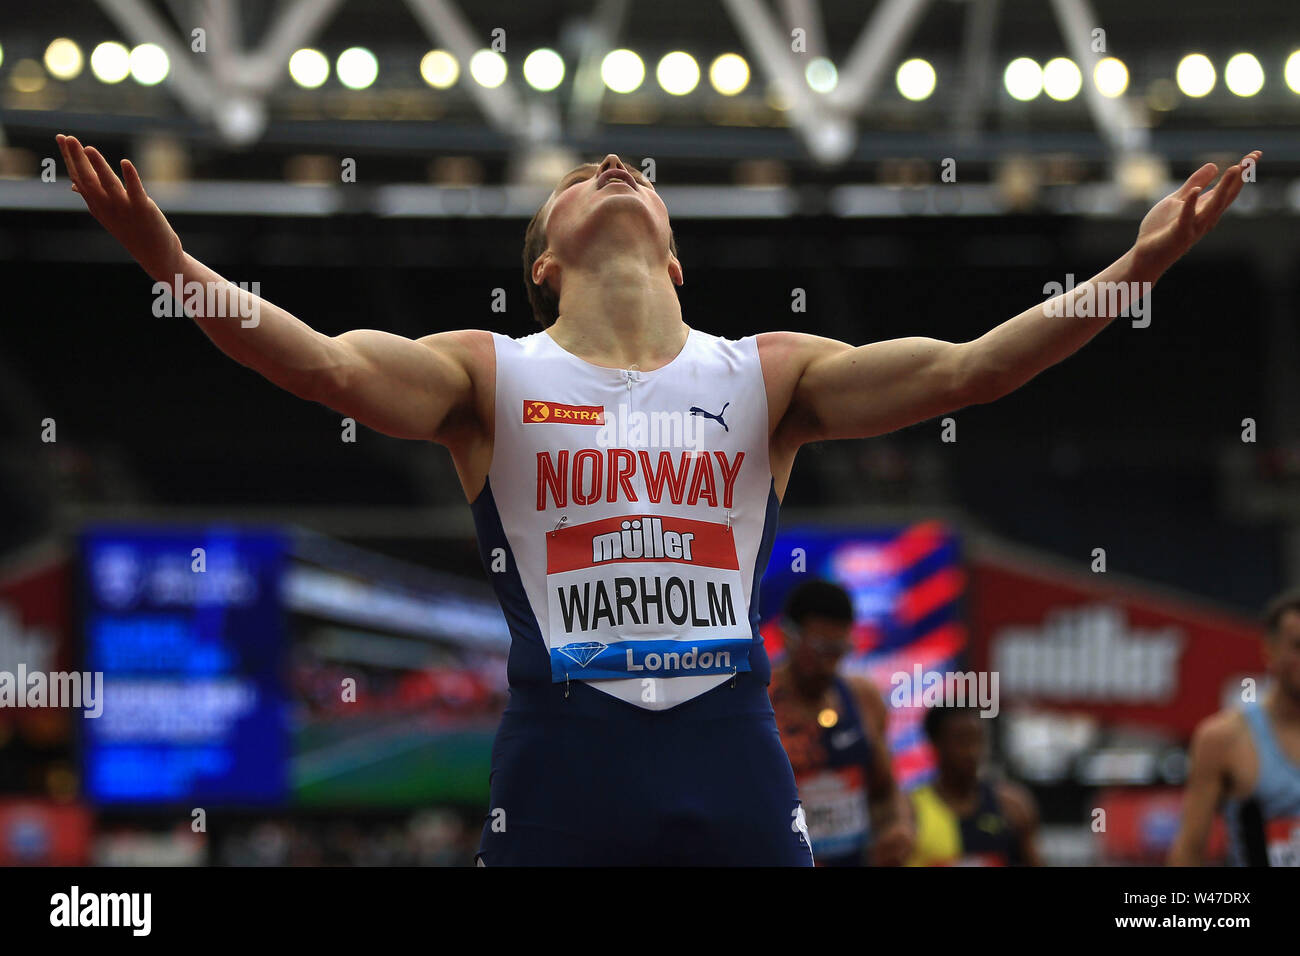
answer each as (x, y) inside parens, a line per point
(594, 781)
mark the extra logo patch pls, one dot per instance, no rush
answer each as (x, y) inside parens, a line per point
(536, 412)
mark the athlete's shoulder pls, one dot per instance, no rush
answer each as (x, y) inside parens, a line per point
(923, 795)
(790, 344)
(1216, 735)
(870, 701)
(712, 341)
(787, 355)
(502, 340)
(471, 349)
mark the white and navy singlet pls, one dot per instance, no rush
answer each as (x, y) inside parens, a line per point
(625, 524)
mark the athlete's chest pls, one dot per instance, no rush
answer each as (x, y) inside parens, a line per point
(1243, 770)
(696, 437)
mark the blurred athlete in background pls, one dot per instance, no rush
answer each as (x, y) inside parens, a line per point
(1247, 760)
(965, 818)
(834, 730)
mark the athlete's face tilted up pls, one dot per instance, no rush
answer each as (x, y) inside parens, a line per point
(601, 218)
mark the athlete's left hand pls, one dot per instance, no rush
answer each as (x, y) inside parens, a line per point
(1180, 219)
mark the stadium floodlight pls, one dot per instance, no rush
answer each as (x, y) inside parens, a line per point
(357, 68)
(1062, 79)
(622, 70)
(915, 79)
(149, 64)
(27, 76)
(309, 68)
(821, 75)
(1023, 79)
(1111, 76)
(1291, 72)
(488, 68)
(729, 74)
(1195, 75)
(544, 69)
(110, 62)
(63, 59)
(1243, 75)
(678, 73)
(439, 69)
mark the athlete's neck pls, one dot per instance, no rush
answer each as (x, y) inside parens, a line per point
(956, 792)
(622, 313)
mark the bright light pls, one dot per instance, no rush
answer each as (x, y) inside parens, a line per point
(543, 69)
(729, 74)
(1062, 79)
(1292, 72)
(110, 62)
(1111, 77)
(821, 75)
(915, 80)
(149, 64)
(309, 68)
(439, 69)
(622, 70)
(1195, 74)
(1243, 75)
(2, 54)
(357, 67)
(1023, 79)
(63, 59)
(488, 68)
(678, 73)
(27, 77)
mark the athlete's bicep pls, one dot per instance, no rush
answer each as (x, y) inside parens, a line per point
(405, 388)
(844, 391)
(1204, 790)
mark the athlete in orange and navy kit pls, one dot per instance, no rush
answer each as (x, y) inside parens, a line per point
(962, 818)
(833, 729)
(1248, 758)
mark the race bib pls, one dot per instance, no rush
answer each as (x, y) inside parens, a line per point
(1282, 837)
(835, 803)
(645, 596)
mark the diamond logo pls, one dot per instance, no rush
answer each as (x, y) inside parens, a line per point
(584, 653)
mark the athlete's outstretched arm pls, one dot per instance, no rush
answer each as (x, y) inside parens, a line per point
(1205, 789)
(399, 386)
(847, 392)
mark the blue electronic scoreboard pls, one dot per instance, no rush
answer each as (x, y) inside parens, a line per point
(188, 627)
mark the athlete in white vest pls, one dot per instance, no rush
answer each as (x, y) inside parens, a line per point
(625, 472)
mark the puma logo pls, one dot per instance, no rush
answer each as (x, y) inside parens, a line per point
(696, 410)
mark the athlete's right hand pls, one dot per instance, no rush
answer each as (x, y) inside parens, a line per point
(126, 211)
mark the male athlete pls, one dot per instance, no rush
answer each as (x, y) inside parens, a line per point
(624, 533)
(1248, 759)
(834, 731)
(964, 818)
